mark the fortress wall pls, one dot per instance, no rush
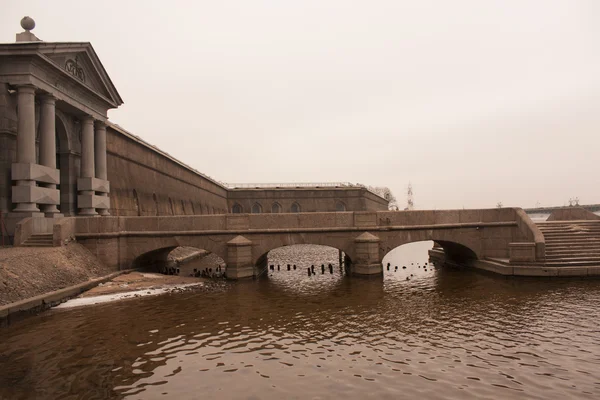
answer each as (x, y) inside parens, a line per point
(146, 181)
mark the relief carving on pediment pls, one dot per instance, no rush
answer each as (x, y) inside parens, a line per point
(73, 67)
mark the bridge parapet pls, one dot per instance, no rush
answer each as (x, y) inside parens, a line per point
(536, 252)
(490, 233)
(321, 221)
(441, 217)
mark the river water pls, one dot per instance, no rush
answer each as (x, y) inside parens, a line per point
(443, 334)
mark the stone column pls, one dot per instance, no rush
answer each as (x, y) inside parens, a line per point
(26, 139)
(48, 144)
(100, 155)
(87, 160)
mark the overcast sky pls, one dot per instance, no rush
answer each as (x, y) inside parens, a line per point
(473, 102)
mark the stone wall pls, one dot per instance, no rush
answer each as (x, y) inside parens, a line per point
(308, 199)
(572, 214)
(145, 181)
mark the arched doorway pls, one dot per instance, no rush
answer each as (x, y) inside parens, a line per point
(66, 162)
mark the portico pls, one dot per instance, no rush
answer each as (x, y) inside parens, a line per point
(52, 84)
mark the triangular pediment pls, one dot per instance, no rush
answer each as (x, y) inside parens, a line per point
(79, 60)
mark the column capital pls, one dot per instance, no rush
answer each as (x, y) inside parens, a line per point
(26, 88)
(47, 98)
(100, 124)
(87, 119)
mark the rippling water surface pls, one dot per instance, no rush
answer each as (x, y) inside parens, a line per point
(444, 333)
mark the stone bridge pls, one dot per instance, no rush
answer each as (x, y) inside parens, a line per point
(243, 240)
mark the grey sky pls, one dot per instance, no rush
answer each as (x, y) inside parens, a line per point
(472, 101)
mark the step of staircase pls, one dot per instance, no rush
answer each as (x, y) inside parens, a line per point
(39, 240)
(571, 243)
(572, 246)
(573, 264)
(575, 258)
(572, 240)
(554, 256)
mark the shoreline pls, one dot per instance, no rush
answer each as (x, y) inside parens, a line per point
(14, 311)
(130, 283)
(116, 286)
(502, 268)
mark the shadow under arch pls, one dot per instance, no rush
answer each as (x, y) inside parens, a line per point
(152, 259)
(171, 256)
(455, 252)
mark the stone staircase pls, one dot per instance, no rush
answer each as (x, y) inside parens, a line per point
(571, 243)
(39, 240)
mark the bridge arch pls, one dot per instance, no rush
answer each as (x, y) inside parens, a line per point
(156, 250)
(265, 243)
(261, 260)
(457, 247)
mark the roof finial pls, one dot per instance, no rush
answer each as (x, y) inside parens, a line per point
(28, 24)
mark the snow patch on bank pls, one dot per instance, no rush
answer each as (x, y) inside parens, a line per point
(86, 301)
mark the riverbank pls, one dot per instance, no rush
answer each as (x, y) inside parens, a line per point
(33, 279)
(133, 285)
(27, 272)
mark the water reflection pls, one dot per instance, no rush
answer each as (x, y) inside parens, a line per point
(446, 333)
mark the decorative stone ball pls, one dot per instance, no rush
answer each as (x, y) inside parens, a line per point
(27, 23)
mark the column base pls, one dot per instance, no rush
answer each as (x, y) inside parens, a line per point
(25, 214)
(88, 212)
(49, 209)
(104, 212)
(54, 215)
(24, 208)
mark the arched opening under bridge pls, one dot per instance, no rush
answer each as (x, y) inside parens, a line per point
(303, 256)
(183, 261)
(327, 266)
(413, 259)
